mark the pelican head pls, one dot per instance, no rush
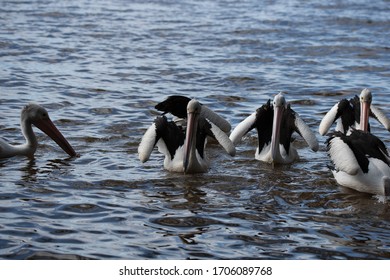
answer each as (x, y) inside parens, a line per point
(39, 117)
(193, 111)
(193, 107)
(365, 103)
(33, 113)
(279, 100)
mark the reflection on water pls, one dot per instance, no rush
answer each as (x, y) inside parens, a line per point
(100, 68)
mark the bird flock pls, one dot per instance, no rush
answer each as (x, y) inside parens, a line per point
(360, 160)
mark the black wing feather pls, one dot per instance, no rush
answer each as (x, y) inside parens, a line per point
(364, 145)
(263, 124)
(287, 128)
(172, 135)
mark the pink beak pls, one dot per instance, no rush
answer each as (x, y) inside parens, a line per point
(190, 134)
(364, 114)
(48, 127)
(278, 113)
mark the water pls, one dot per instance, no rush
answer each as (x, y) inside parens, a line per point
(99, 67)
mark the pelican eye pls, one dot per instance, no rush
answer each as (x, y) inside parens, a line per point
(366, 98)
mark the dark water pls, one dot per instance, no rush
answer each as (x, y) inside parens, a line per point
(99, 67)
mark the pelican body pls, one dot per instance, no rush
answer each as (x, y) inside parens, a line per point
(361, 162)
(275, 124)
(33, 114)
(351, 114)
(360, 159)
(183, 143)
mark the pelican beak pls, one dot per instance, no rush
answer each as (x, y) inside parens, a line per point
(364, 114)
(277, 121)
(48, 127)
(190, 135)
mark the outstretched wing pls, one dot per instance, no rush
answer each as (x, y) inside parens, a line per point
(222, 138)
(147, 144)
(172, 135)
(261, 120)
(342, 109)
(243, 128)
(328, 119)
(208, 128)
(304, 130)
(380, 116)
(209, 114)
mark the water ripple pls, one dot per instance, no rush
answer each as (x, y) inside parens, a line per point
(100, 68)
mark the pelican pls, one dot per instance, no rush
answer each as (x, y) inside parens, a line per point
(350, 114)
(184, 149)
(361, 162)
(33, 114)
(275, 125)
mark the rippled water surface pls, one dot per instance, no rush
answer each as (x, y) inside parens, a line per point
(99, 67)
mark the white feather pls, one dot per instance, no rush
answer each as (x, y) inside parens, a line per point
(175, 164)
(372, 182)
(148, 141)
(343, 157)
(223, 139)
(306, 133)
(242, 128)
(328, 119)
(282, 157)
(382, 118)
(223, 124)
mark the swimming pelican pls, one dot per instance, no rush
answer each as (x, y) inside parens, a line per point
(361, 162)
(349, 114)
(184, 149)
(275, 125)
(33, 114)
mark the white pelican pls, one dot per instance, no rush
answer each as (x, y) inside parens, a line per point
(33, 114)
(184, 149)
(361, 162)
(275, 125)
(349, 114)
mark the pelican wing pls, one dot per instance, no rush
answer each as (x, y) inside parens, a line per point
(329, 119)
(342, 109)
(243, 128)
(222, 138)
(147, 144)
(172, 135)
(342, 155)
(366, 145)
(380, 116)
(304, 130)
(209, 114)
